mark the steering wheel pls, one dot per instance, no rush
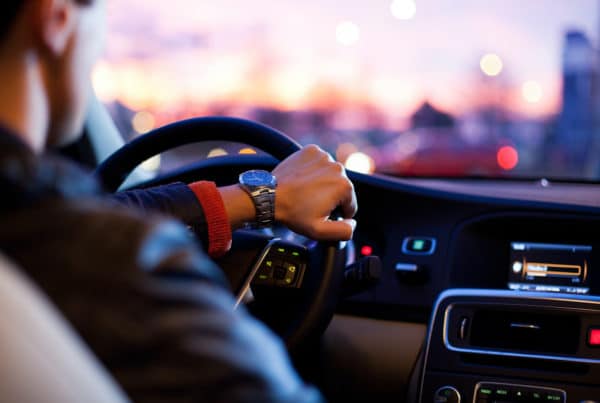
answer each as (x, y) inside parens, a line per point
(297, 284)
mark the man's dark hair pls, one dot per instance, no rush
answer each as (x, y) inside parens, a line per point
(9, 10)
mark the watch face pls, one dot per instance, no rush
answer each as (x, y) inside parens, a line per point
(257, 178)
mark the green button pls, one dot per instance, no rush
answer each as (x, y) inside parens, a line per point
(502, 392)
(269, 263)
(282, 250)
(418, 244)
(295, 253)
(553, 398)
(485, 391)
(263, 277)
(537, 395)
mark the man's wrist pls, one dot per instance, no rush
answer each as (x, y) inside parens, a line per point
(238, 205)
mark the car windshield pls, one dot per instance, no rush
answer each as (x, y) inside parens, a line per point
(460, 88)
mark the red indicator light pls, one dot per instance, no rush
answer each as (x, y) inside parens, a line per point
(366, 250)
(594, 337)
(507, 157)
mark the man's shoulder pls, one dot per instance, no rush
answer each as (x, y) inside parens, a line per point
(90, 238)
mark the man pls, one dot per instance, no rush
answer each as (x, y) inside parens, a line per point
(154, 309)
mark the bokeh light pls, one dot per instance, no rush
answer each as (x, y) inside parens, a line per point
(103, 81)
(347, 33)
(360, 162)
(532, 92)
(152, 164)
(247, 151)
(491, 64)
(344, 150)
(217, 152)
(403, 9)
(507, 158)
(143, 122)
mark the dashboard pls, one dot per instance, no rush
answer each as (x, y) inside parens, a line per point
(460, 258)
(508, 285)
(470, 240)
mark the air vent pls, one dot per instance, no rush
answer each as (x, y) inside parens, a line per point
(525, 332)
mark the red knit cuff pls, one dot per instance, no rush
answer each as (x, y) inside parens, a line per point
(219, 230)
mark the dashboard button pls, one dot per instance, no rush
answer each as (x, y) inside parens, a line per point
(554, 397)
(411, 273)
(537, 396)
(501, 392)
(407, 267)
(414, 245)
(446, 394)
(484, 392)
(594, 337)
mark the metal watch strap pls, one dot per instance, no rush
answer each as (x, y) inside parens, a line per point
(264, 202)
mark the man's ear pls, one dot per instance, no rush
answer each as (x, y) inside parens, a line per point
(54, 22)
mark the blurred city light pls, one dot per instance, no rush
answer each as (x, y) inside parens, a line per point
(217, 152)
(507, 157)
(247, 151)
(532, 92)
(491, 64)
(143, 122)
(344, 150)
(403, 9)
(292, 85)
(103, 81)
(152, 164)
(496, 76)
(347, 33)
(360, 162)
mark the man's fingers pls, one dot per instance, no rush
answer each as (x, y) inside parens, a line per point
(335, 230)
(349, 204)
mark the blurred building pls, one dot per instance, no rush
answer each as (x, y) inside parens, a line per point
(428, 116)
(576, 122)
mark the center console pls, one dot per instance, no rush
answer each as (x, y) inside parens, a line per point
(505, 346)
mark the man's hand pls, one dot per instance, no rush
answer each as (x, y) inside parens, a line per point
(310, 185)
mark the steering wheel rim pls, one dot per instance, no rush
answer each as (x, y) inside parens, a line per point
(114, 170)
(321, 288)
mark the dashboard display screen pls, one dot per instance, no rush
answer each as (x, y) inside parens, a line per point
(549, 267)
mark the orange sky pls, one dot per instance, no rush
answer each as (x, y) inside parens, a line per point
(287, 54)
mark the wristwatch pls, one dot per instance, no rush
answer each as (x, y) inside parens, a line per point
(260, 186)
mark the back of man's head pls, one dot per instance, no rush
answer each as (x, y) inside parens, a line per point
(9, 9)
(47, 51)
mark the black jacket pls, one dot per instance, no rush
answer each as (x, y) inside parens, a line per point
(149, 303)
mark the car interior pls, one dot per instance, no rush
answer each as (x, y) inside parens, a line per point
(479, 287)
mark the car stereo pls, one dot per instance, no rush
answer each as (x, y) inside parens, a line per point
(549, 267)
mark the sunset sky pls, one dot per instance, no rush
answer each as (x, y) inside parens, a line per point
(295, 54)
